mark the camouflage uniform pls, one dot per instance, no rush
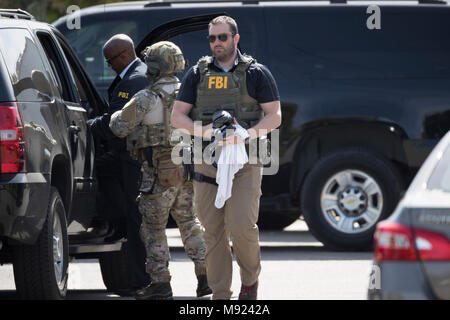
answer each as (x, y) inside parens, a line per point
(155, 208)
(150, 109)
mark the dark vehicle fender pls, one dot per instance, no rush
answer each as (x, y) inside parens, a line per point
(23, 205)
(62, 178)
(317, 139)
(24, 199)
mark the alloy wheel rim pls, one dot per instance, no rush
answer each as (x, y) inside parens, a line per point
(58, 251)
(351, 201)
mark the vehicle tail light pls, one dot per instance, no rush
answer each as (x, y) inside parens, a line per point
(432, 246)
(394, 242)
(397, 242)
(12, 139)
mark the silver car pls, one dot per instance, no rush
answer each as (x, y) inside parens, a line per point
(412, 247)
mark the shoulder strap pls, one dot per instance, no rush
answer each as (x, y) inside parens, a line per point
(203, 64)
(241, 68)
(168, 100)
(245, 64)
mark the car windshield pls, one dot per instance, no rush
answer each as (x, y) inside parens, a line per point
(440, 177)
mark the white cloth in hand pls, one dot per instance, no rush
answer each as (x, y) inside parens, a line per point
(231, 160)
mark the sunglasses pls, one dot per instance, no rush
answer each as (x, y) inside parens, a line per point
(223, 37)
(108, 61)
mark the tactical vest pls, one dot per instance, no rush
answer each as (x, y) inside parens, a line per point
(225, 91)
(154, 134)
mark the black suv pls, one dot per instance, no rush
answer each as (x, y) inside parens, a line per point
(47, 183)
(362, 107)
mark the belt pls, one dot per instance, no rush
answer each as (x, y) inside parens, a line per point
(202, 178)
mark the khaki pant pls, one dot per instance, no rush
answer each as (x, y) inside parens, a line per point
(237, 218)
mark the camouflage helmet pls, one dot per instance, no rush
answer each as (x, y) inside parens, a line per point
(165, 57)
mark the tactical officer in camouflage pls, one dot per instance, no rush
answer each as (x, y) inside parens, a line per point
(233, 82)
(145, 122)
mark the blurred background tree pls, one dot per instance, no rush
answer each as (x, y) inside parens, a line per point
(50, 10)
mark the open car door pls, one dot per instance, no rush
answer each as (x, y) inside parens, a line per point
(188, 33)
(174, 28)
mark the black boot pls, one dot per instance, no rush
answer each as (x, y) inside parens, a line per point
(155, 291)
(202, 288)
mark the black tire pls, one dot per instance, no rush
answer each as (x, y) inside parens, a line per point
(35, 266)
(114, 269)
(275, 221)
(360, 164)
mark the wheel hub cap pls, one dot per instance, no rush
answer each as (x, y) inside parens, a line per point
(351, 201)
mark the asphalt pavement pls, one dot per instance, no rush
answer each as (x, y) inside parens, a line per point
(295, 266)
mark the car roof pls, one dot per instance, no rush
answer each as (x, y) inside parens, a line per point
(31, 25)
(208, 3)
(139, 5)
(177, 4)
(9, 19)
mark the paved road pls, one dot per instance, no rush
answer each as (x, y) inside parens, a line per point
(295, 266)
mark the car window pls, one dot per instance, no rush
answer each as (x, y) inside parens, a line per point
(336, 43)
(23, 61)
(88, 42)
(78, 84)
(194, 44)
(61, 73)
(440, 177)
(191, 44)
(80, 89)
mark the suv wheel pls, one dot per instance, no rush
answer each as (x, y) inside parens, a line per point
(41, 270)
(344, 196)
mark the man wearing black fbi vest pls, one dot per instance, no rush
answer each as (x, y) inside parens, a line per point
(236, 83)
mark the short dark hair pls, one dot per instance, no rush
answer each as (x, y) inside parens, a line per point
(225, 19)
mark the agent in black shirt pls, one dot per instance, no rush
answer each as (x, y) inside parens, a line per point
(239, 215)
